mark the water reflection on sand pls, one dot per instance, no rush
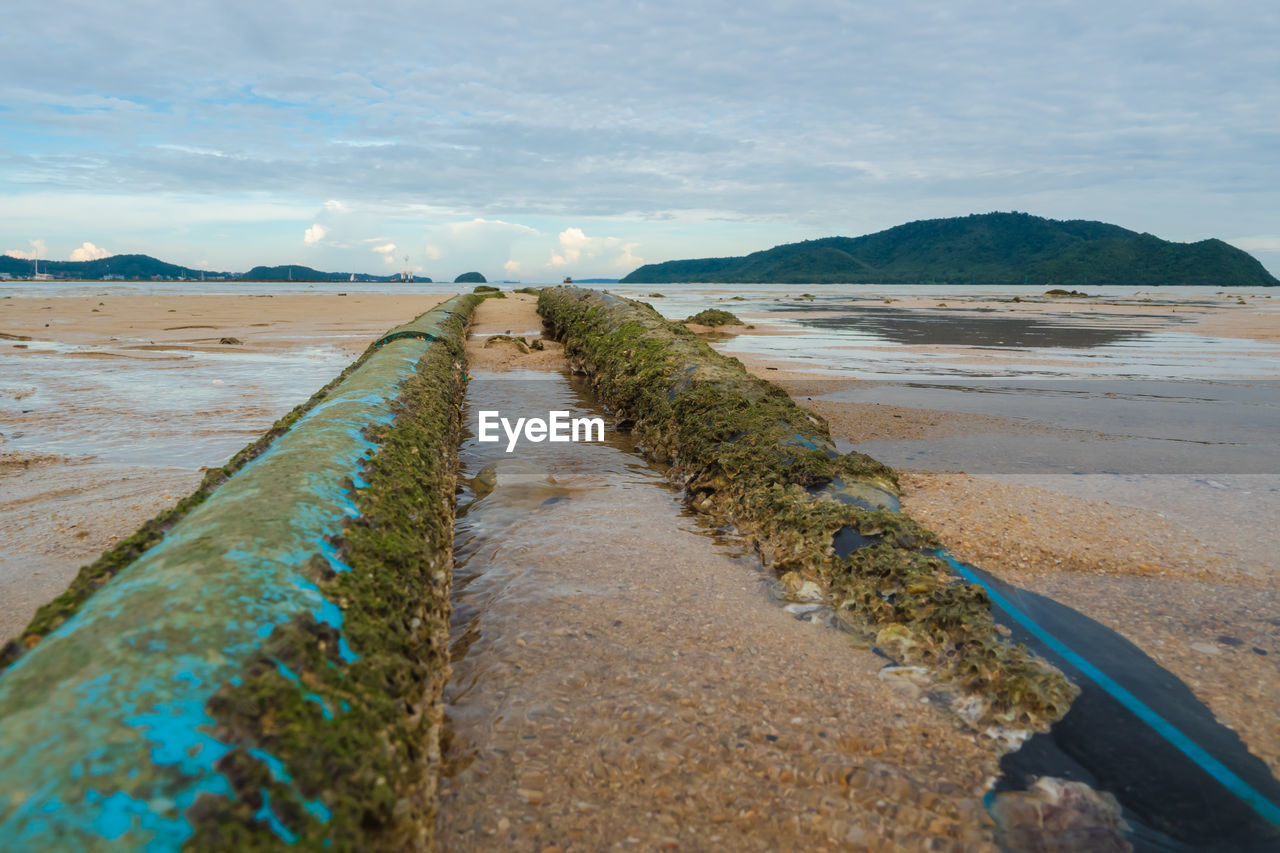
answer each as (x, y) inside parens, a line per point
(621, 677)
(163, 407)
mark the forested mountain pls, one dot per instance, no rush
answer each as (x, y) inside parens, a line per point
(294, 272)
(145, 267)
(125, 266)
(988, 248)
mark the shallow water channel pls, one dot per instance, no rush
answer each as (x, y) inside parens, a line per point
(623, 679)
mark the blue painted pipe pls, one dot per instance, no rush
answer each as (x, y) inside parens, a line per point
(1138, 729)
(105, 736)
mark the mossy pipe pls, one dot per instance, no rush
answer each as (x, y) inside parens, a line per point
(748, 455)
(268, 673)
(93, 576)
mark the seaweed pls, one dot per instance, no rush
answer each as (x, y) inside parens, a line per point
(301, 666)
(751, 458)
(714, 317)
(359, 740)
(93, 576)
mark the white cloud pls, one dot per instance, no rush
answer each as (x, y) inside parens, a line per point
(385, 249)
(480, 227)
(475, 244)
(193, 149)
(347, 226)
(922, 110)
(577, 247)
(627, 259)
(88, 252)
(314, 234)
(573, 241)
(38, 250)
(512, 267)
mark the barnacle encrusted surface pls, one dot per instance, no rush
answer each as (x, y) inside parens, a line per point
(268, 673)
(748, 455)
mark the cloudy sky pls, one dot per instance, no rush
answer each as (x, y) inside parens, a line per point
(533, 140)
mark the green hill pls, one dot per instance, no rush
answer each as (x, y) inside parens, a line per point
(127, 266)
(294, 272)
(988, 248)
(145, 267)
(470, 278)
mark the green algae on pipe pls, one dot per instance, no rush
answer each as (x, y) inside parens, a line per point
(270, 671)
(92, 576)
(747, 454)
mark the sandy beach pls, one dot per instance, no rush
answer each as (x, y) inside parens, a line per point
(134, 325)
(1132, 568)
(1191, 579)
(620, 670)
(60, 510)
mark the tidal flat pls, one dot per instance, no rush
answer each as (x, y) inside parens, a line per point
(623, 675)
(1117, 452)
(1114, 453)
(115, 398)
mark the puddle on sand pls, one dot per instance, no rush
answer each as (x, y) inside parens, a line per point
(1128, 426)
(840, 337)
(978, 328)
(174, 408)
(622, 679)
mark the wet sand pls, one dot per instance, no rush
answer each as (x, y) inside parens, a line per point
(1245, 315)
(515, 316)
(905, 335)
(1221, 315)
(133, 325)
(1198, 613)
(59, 514)
(133, 459)
(1205, 618)
(623, 679)
(1182, 565)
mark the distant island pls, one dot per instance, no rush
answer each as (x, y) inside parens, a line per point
(470, 278)
(987, 248)
(294, 272)
(147, 268)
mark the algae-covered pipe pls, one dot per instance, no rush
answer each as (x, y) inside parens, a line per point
(748, 455)
(269, 672)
